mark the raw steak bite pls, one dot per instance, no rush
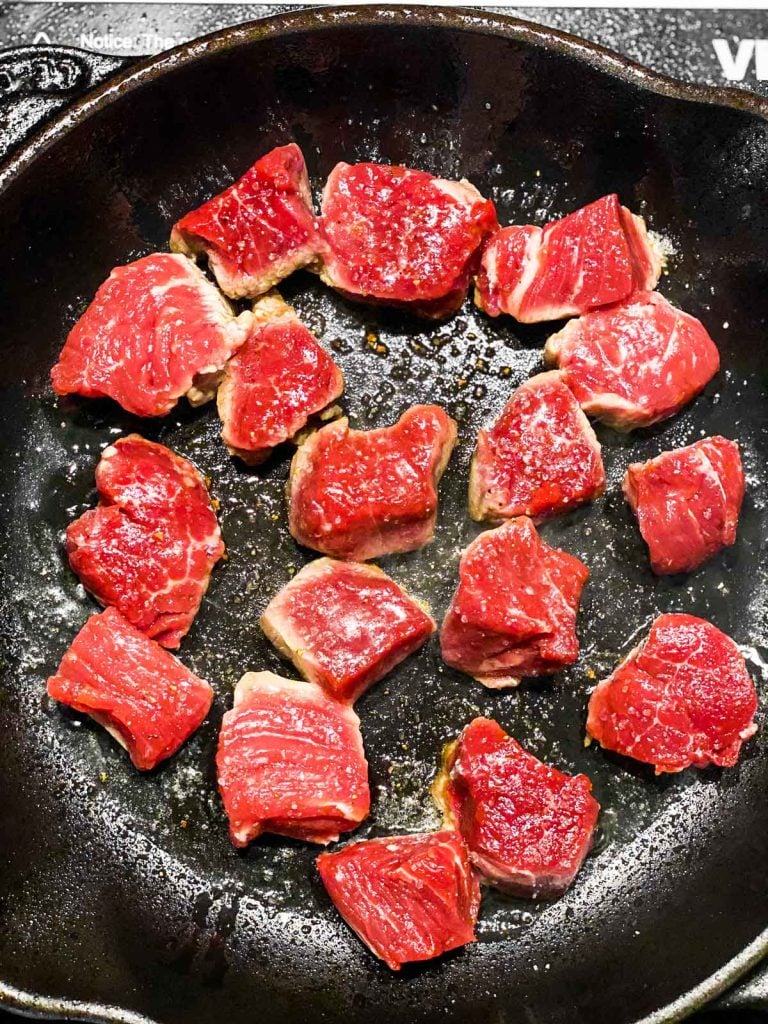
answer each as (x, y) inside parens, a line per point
(528, 826)
(540, 457)
(257, 231)
(275, 383)
(514, 611)
(683, 697)
(402, 237)
(157, 329)
(635, 363)
(290, 760)
(407, 898)
(149, 546)
(598, 255)
(687, 502)
(141, 694)
(344, 625)
(360, 494)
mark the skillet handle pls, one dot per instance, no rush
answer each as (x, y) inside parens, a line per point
(37, 82)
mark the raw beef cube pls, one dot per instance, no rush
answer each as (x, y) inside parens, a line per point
(157, 329)
(275, 383)
(360, 494)
(598, 255)
(149, 546)
(687, 502)
(344, 625)
(528, 826)
(257, 231)
(290, 760)
(140, 693)
(635, 363)
(514, 612)
(683, 697)
(402, 237)
(540, 457)
(407, 898)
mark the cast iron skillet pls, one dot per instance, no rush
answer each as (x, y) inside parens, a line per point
(121, 898)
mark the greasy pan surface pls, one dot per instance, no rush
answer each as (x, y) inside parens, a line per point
(121, 891)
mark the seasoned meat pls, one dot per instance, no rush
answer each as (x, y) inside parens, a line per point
(539, 458)
(345, 625)
(275, 383)
(257, 231)
(514, 611)
(635, 363)
(408, 898)
(157, 329)
(596, 256)
(149, 546)
(402, 237)
(687, 502)
(360, 494)
(140, 693)
(528, 826)
(290, 760)
(683, 697)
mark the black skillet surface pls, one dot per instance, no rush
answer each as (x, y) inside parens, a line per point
(120, 893)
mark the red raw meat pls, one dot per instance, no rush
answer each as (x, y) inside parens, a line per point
(276, 382)
(141, 694)
(345, 625)
(635, 363)
(540, 457)
(290, 760)
(683, 697)
(257, 231)
(408, 898)
(359, 494)
(687, 502)
(402, 237)
(157, 329)
(528, 826)
(598, 255)
(514, 612)
(149, 546)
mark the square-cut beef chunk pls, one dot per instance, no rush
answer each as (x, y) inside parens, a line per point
(138, 691)
(528, 826)
(539, 459)
(634, 363)
(596, 256)
(290, 760)
(402, 237)
(514, 611)
(408, 898)
(687, 502)
(275, 384)
(257, 231)
(682, 697)
(149, 546)
(345, 625)
(156, 330)
(360, 494)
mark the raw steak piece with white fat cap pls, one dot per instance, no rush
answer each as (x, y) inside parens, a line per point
(595, 256)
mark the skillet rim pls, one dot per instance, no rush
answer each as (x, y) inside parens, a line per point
(466, 19)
